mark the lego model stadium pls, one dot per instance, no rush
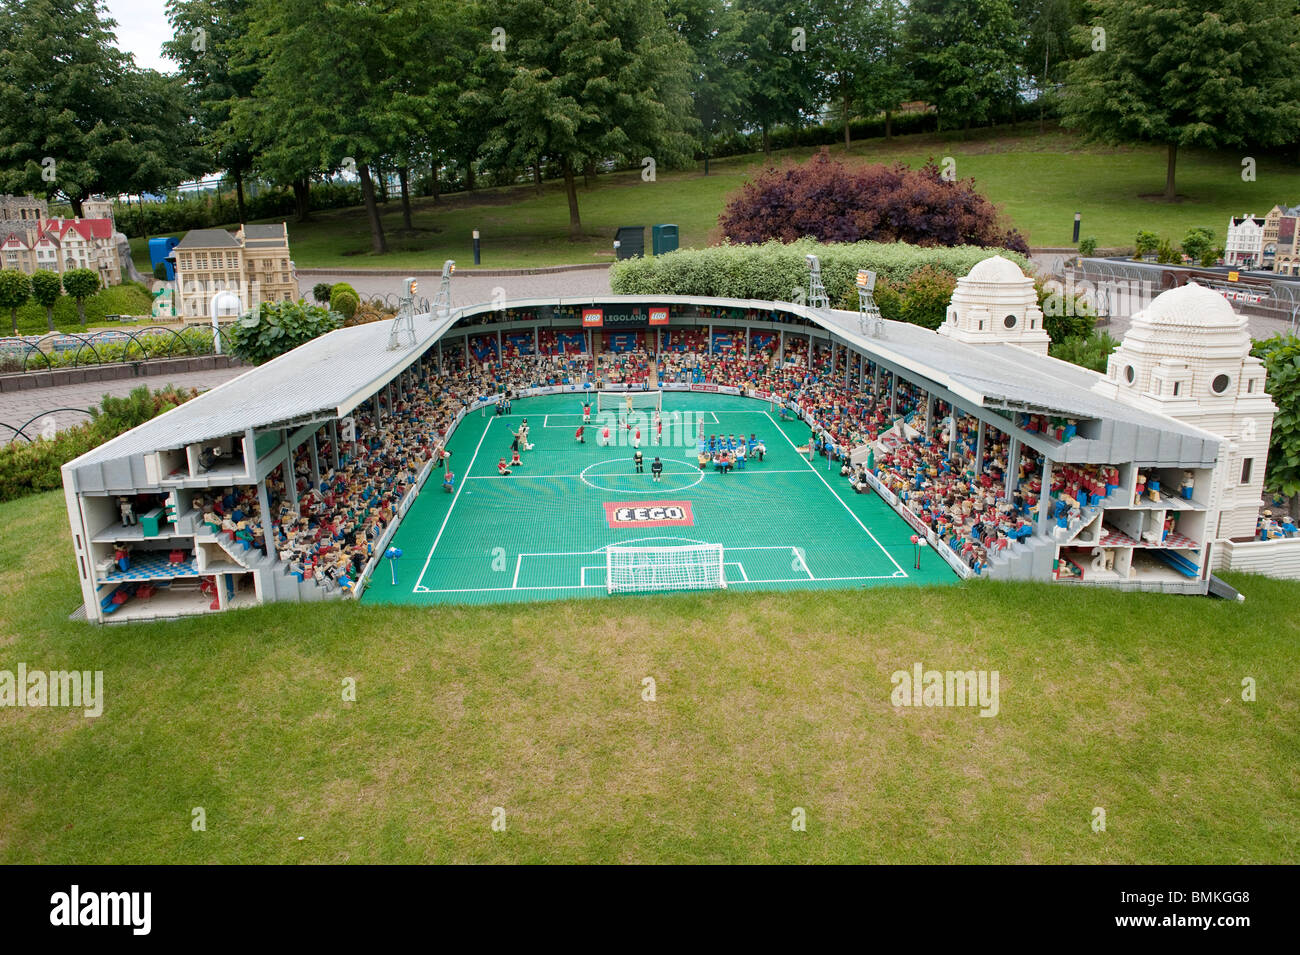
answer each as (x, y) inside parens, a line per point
(541, 449)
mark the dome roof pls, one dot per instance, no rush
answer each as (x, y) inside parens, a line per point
(1191, 305)
(996, 269)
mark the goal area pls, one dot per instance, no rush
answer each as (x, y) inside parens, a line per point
(629, 400)
(647, 569)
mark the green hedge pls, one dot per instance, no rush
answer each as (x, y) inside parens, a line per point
(774, 270)
(1281, 357)
(29, 468)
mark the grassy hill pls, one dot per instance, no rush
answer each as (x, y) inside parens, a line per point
(129, 298)
(764, 703)
(1040, 180)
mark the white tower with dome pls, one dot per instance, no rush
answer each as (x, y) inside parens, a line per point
(1187, 355)
(996, 304)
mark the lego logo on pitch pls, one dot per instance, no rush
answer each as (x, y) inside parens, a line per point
(650, 514)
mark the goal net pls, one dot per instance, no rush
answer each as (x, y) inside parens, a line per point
(623, 401)
(641, 569)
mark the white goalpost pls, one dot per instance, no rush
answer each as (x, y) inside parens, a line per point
(623, 401)
(641, 569)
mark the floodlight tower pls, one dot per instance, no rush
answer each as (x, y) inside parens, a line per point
(404, 323)
(816, 290)
(870, 321)
(442, 301)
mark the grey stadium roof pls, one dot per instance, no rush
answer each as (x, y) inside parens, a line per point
(326, 377)
(329, 376)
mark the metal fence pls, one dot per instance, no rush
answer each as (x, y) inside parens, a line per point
(12, 433)
(115, 346)
(1119, 287)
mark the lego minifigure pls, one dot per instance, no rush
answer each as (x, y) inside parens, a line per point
(127, 508)
(1189, 484)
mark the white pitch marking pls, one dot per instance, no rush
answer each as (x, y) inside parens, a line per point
(456, 497)
(842, 502)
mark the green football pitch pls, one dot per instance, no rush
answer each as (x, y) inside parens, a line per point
(540, 533)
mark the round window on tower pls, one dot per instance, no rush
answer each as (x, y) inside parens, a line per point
(1009, 321)
(1129, 374)
(1220, 384)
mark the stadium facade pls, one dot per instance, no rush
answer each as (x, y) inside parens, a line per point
(1179, 427)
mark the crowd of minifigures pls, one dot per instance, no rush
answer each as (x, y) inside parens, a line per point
(964, 502)
(968, 503)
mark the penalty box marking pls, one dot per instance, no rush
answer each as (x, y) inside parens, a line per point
(576, 416)
(797, 553)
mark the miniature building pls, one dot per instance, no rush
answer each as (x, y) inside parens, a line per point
(59, 245)
(17, 253)
(98, 207)
(84, 244)
(253, 262)
(22, 215)
(996, 303)
(1187, 355)
(1244, 245)
(1279, 240)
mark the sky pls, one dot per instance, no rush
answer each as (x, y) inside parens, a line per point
(141, 29)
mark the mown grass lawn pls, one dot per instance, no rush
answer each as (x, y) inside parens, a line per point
(764, 703)
(1041, 181)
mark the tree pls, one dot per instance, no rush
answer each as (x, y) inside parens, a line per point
(76, 116)
(842, 44)
(712, 31)
(1198, 245)
(781, 74)
(81, 284)
(626, 94)
(208, 37)
(886, 81)
(1047, 26)
(965, 62)
(1210, 73)
(1145, 244)
(337, 100)
(15, 290)
(46, 289)
(344, 300)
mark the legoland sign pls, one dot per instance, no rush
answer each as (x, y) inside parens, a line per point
(649, 514)
(623, 317)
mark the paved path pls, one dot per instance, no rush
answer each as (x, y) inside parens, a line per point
(473, 289)
(19, 406)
